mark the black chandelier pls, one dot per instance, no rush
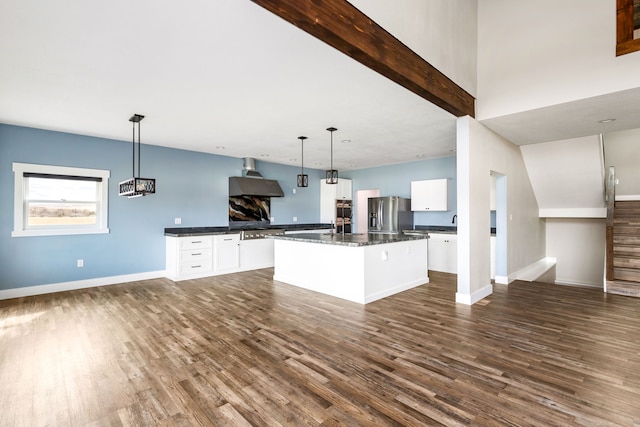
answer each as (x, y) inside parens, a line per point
(303, 179)
(332, 174)
(136, 186)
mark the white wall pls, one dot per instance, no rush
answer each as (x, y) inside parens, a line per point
(479, 152)
(579, 249)
(533, 54)
(622, 150)
(443, 32)
(567, 177)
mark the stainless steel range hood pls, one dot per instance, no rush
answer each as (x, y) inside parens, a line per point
(253, 184)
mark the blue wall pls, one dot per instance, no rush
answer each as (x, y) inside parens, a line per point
(190, 185)
(396, 180)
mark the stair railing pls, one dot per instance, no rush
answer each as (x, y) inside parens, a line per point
(610, 199)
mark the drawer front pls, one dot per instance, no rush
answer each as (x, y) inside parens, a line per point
(227, 239)
(195, 255)
(195, 242)
(192, 267)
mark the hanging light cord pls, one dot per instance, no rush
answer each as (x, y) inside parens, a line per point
(302, 138)
(139, 172)
(133, 148)
(332, 151)
(331, 130)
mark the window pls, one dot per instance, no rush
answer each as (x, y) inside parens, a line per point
(56, 200)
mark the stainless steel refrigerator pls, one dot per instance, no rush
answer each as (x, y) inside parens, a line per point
(390, 214)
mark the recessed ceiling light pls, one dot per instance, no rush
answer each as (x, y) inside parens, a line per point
(606, 120)
(264, 155)
(452, 151)
(318, 164)
(419, 156)
(345, 141)
(220, 147)
(293, 160)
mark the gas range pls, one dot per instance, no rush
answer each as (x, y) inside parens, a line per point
(260, 233)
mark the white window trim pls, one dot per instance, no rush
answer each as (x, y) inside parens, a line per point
(18, 202)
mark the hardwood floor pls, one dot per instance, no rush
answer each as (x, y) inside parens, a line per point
(244, 350)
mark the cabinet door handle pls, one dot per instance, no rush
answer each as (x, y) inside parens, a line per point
(197, 241)
(196, 254)
(196, 266)
(226, 240)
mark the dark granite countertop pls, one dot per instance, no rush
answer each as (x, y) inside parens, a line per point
(438, 229)
(442, 229)
(201, 231)
(354, 240)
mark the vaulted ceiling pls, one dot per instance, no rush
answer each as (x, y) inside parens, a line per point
(225, 77)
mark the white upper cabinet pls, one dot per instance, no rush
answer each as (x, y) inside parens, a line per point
(329, 193)
(430, 195)
(342, 188)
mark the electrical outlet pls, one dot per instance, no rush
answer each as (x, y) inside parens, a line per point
(295, 219)
(177, 221)
(272, 219)
(294, 191)
(80, 263)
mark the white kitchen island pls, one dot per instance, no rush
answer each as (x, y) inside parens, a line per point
(357, 267)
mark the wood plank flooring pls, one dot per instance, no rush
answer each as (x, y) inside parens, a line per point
(243, 350)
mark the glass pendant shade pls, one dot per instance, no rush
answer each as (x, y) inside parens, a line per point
(332, 174)
(303, 179)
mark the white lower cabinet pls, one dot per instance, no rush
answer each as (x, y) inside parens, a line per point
(209, 255)
(189, 257)
(201, 256)
(256, 254)
(443, 253)
(226, 253)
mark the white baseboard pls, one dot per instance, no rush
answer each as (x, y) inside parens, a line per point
(397, 289)
(503, 280)
(78, 284)
(470, 299)
(629, 198)
(579, 284)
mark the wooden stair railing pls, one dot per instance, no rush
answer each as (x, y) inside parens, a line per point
(610, 198)
(623, 243)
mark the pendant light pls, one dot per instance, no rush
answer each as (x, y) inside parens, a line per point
(332, 174)
(303, 179)
(136, 186)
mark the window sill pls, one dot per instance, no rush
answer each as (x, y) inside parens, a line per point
(60, 232)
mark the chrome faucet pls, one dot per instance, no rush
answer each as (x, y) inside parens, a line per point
(453, 220)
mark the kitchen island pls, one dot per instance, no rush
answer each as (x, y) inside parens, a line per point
(357, 267)
(195, 252)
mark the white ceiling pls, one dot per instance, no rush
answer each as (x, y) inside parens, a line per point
(225, 77)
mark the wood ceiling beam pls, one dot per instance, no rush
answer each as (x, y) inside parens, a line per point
(625, 25)
(341, 25)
